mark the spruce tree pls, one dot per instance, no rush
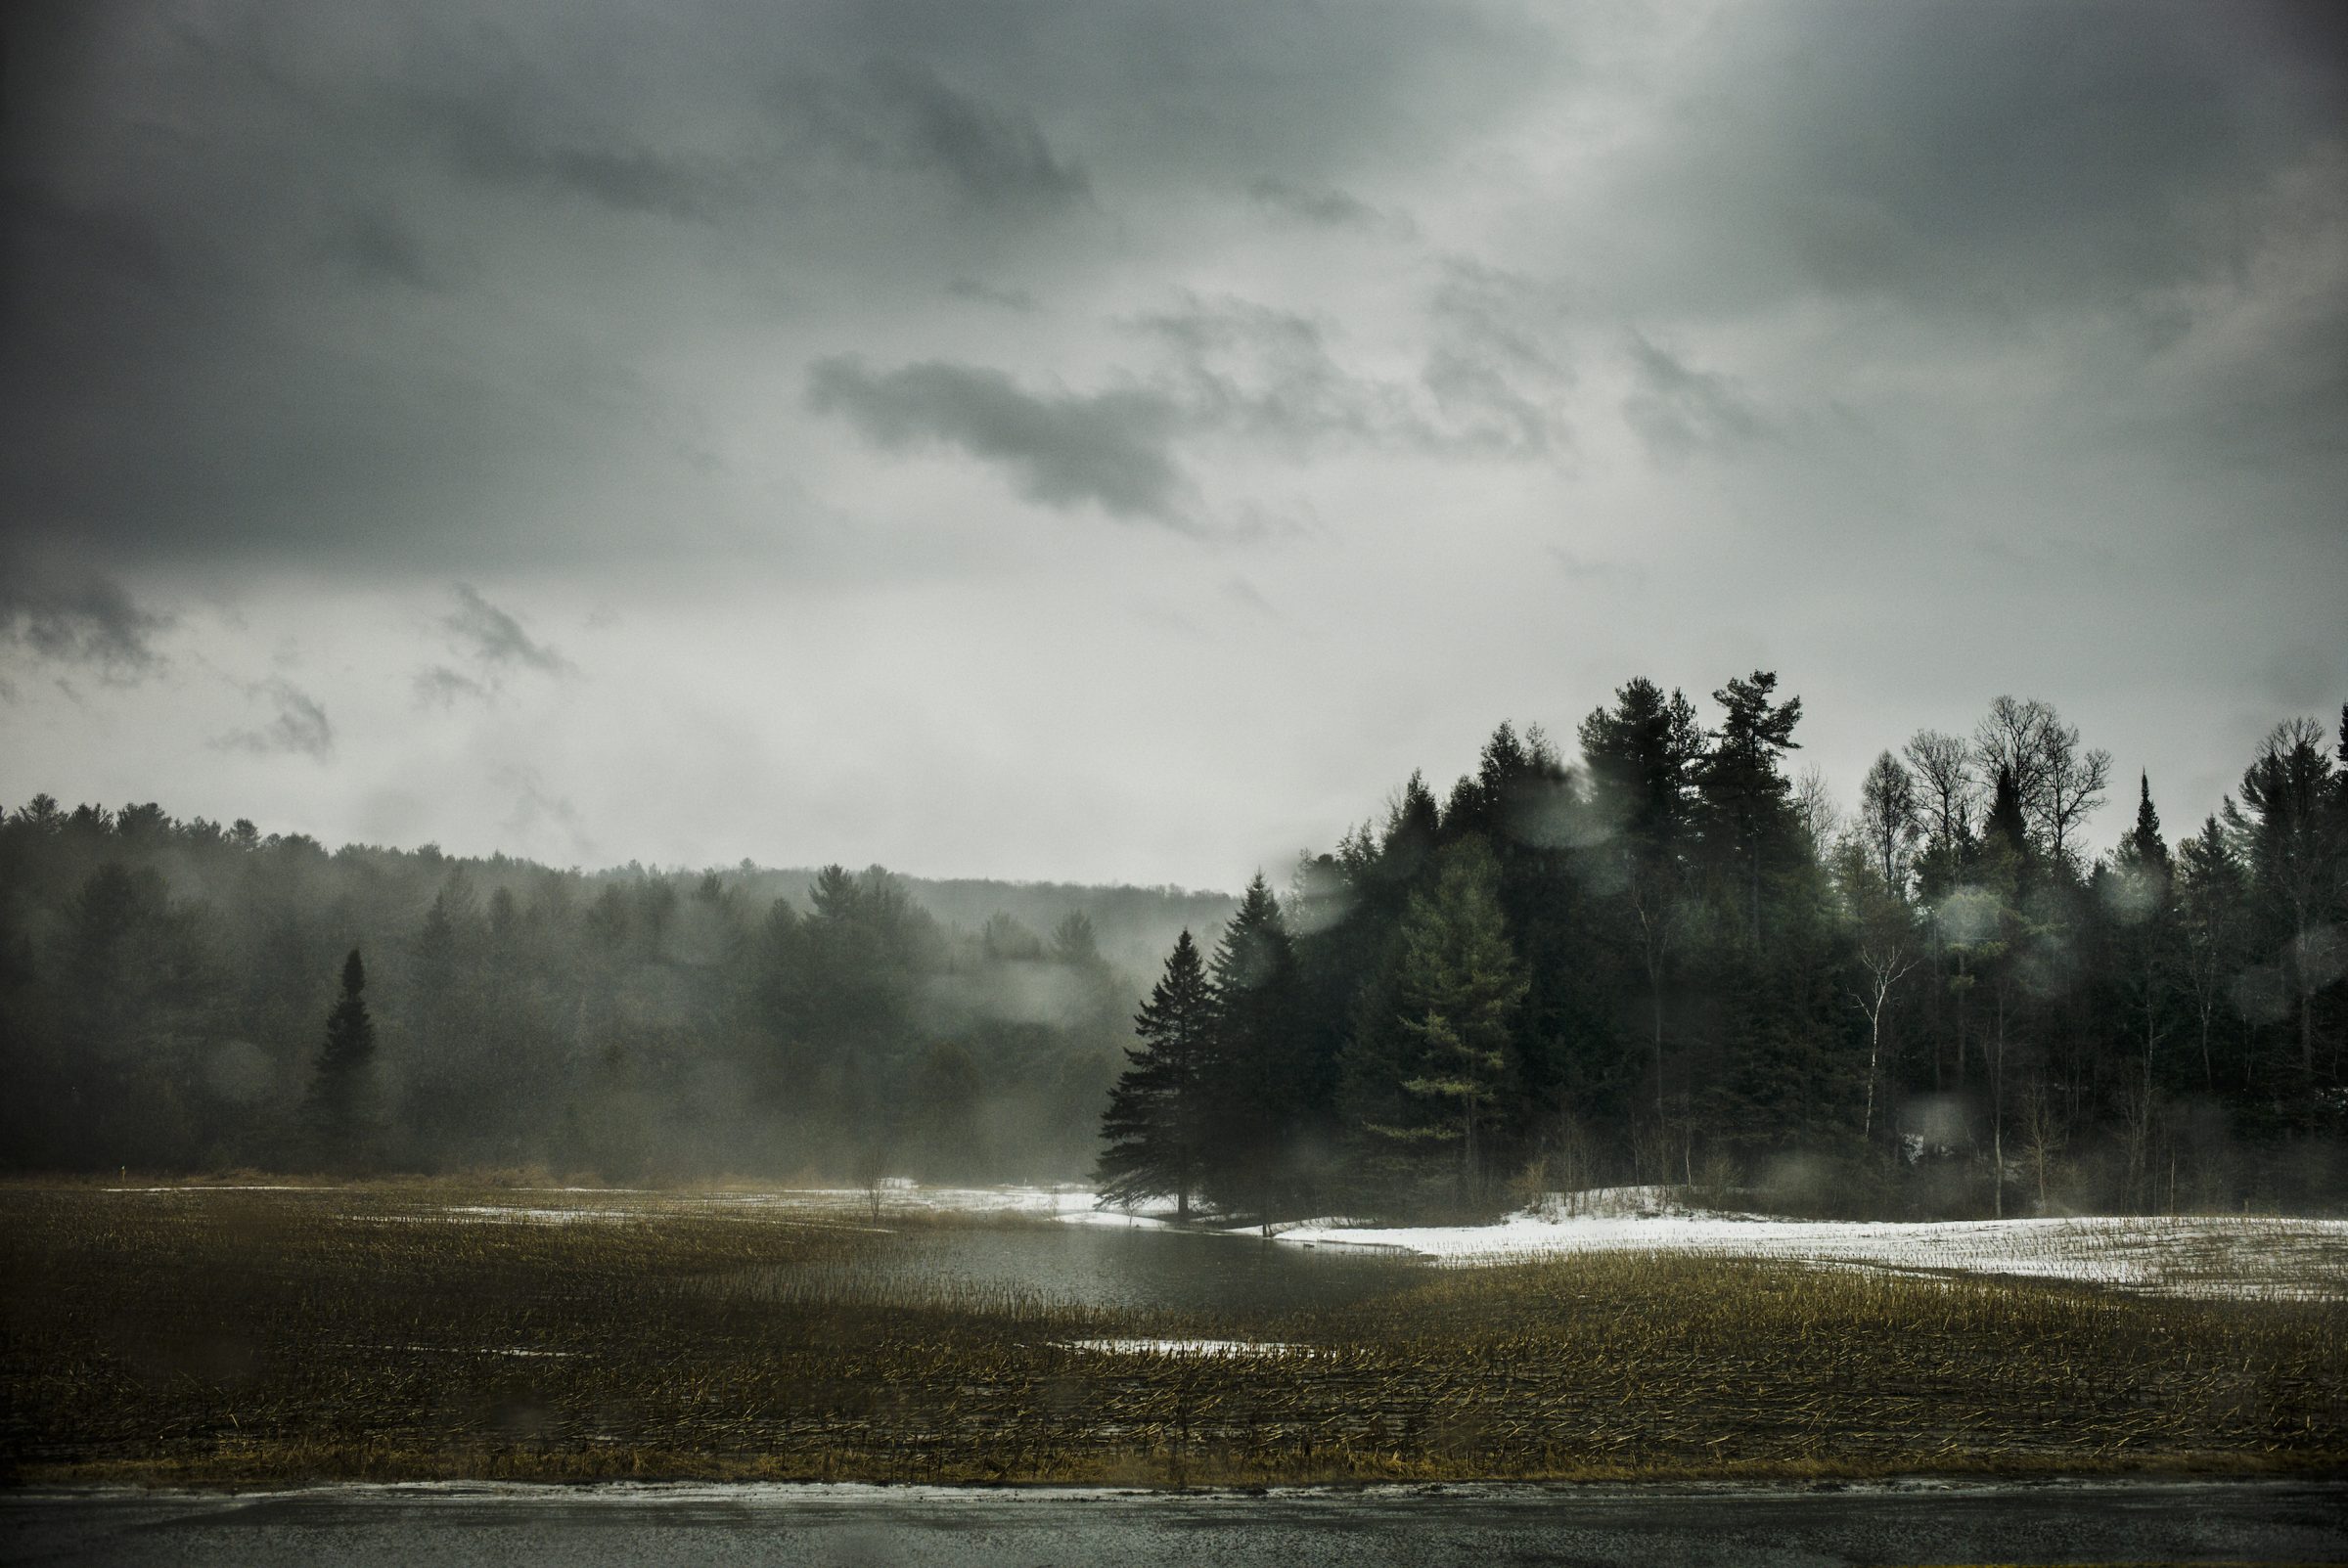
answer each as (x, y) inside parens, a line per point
(1459, 983)
(339, 1095)
(2294, 836)
(2138, 889)
(1745, 794)
(1155, 1119)
(2144, 844)
(2007, 830)
(1255, 1077)
(1642, 756)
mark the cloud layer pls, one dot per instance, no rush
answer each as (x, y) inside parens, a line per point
(855, 395)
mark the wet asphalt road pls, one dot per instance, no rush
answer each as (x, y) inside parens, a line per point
(606, 1526)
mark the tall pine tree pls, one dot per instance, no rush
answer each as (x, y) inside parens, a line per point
(1459, 984)
(1643, 755)
(1258, 1078)
(341, 1097)
(1156, 1120)
(1748, 822)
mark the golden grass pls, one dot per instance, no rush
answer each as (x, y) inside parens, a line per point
(244, 1336)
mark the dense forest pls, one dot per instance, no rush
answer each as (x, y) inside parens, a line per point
(1668, 959)
(167, 989)
(1673, 962)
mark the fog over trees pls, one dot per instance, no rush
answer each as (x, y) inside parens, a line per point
(183, 995)
(1661, 959)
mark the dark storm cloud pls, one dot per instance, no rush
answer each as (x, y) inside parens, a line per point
(1679, 410)
(200, 356)
(1326, 207)
(1110, 449)
(299, 726)
(340, 285)
(78, 617)
(1226, 366)
(626, 179)
(494, 639)
(1273, 376)
(1144, 99)
(380, 286)
(900, 116)
(1268, 372)
(1496, 369)
(986, 293)
(178, 381)
(493, 644)
(1487, 413)
(377, 248)
(1995, 156)
(1503, 316)
(111, 241)
(992, 155)
(311, 310)
(441, 686)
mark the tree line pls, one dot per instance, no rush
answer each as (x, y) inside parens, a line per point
(1668, 959)
(1673, 962)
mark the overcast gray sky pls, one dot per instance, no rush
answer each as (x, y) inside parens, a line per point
(1106, 441)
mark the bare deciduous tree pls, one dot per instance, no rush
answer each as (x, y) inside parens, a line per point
(2075, 781)
(2057, 782)
(1888, 819)
(1948, 792)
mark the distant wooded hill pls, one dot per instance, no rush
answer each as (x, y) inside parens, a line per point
(1135, 925)
(165, 986)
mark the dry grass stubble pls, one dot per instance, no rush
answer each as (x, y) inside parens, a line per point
(251, 1337)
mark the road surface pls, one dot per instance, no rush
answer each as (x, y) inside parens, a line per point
(1481, 1526)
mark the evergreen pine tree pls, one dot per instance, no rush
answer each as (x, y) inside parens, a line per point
(1256, 1076)
(1155, 1119)
(1745, 794)
(1643, 755)
(2138, 898)
(1459, 984)
(2294, 838)
(341, 1094)
(2007, 829)
(2144, 844)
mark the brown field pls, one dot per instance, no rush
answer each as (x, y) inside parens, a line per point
(381, 1332)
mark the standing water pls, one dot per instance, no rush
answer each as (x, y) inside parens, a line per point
(1097, 1268)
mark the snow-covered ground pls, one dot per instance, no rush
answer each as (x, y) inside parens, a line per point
(2211, 1256)
(2192, 1256)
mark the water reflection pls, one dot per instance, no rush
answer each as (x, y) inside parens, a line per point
(1094, 1267)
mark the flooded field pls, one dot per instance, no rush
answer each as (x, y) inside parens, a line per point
(1092, 1267)
(428, 1331)
(974, 1248)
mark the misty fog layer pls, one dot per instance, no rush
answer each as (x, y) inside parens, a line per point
(1669, 961)
(172, 990)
